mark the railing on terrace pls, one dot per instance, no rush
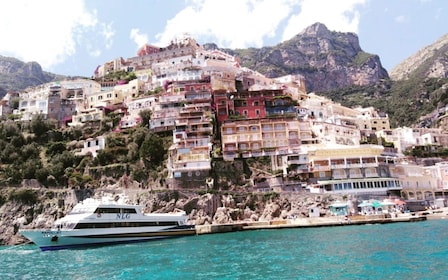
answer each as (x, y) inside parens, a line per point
(194, 145)
(339, 166)
(239, 123)
(192, 121)
(298, 161)
(190, 168)
(370, 164)
(343, 176)
(356, 175)
(190, 160)
(229, 138)
(321, 168)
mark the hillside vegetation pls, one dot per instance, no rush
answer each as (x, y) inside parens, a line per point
(41, 151)
(405, 101)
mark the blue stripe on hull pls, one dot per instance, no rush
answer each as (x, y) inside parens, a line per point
(99, 244)
(59, 240)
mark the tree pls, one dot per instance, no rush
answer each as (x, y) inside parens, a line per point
(55, 148)
(146, 117)
(152, 150)
(40, 127)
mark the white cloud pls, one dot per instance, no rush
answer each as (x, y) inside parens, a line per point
(247, 23)
(341, 15)
(108, 33)
(400, 19)
(50, 31)
(231, 23)
(139, 38)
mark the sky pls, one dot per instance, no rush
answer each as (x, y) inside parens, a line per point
(73, 37)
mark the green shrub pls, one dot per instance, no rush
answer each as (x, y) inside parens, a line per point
(24, 196)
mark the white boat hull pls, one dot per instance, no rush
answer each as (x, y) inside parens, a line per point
(56, 240)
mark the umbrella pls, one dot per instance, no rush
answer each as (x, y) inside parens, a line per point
(387, 203)
(376, 204)
(339, 204)
(399, 202)
(365, 204)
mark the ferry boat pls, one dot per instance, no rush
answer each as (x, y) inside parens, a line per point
(108, 221)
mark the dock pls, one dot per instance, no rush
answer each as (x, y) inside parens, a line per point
(306, 223)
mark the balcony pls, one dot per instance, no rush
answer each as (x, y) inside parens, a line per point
(354, 165)
(229, 138)
(340, 176)
(322, 168)
(372, 175)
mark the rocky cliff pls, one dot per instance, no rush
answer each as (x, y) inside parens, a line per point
(429, 62)
(328, 60)
(16, 75)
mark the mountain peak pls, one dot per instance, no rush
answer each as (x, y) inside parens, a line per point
(18, 75)
(327, 59)
(316, 30)
(429, 61)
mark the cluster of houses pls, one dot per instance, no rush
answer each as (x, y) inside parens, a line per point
(218, 110)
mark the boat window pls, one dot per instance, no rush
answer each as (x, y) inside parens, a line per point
(104, 210)
(125, 224)
(129, 210)
(81, 210)
(107, 210)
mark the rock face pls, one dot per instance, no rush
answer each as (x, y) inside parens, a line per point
(328, 60)
(202, 209)
(16, 75)
(430, 61)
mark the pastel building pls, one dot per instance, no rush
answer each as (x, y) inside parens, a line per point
(133, 108)
(259, 137)
(253, 104)
(404, 138)
(426, 183)
(92, 146)
(360, 170)
(189, 163)
(56, 100)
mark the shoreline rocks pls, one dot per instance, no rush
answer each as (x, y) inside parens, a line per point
(203, 209)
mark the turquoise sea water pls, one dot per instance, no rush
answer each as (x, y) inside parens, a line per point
(391, 251)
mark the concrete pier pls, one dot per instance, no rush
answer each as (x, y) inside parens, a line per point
(306, 222)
